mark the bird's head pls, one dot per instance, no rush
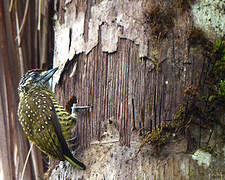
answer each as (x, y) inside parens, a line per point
(35, 79)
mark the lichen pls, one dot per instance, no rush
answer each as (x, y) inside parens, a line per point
(202, 157)
(209, 16)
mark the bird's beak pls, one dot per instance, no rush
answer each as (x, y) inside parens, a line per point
(48, 74)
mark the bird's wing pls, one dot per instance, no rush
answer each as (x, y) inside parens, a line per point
(56, 125)
(66, 120)
(42, 124)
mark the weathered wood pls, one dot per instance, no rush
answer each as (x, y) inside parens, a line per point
(118, 78)
(134, 82)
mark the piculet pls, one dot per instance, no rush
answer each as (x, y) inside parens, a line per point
(43, 120)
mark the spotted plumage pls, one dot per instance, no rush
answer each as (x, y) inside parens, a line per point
(66, 120)
(44, 121)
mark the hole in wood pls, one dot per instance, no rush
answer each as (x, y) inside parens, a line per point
(69, 104)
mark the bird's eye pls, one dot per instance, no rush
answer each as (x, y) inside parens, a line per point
(35, 75)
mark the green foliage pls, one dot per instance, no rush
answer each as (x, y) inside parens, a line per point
(219, 45)
(219, 55)
(221, 90)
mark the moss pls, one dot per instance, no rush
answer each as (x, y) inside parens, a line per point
(201, 104)
(160, 21)
(219, 53)
(156, 138)
(196, 37)
(191, 91)
(202, 101)
(221, 90)
(159, 137)
(184, 5)
(160, 16)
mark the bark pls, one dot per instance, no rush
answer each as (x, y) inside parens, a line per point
(108, 57)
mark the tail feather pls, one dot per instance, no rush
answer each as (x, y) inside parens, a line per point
(75, 162)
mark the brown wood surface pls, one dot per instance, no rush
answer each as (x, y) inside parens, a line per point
(128, 93)
(127, 89)
(123, 89)
(110, 82)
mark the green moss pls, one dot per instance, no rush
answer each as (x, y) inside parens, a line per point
(219, 53)
(201, 103)
(159, 137)
(221, 90)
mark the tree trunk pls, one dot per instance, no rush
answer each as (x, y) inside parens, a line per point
(132, 61)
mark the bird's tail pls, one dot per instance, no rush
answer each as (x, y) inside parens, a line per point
(75, 162)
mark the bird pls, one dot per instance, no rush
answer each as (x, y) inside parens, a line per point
(44, 121)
